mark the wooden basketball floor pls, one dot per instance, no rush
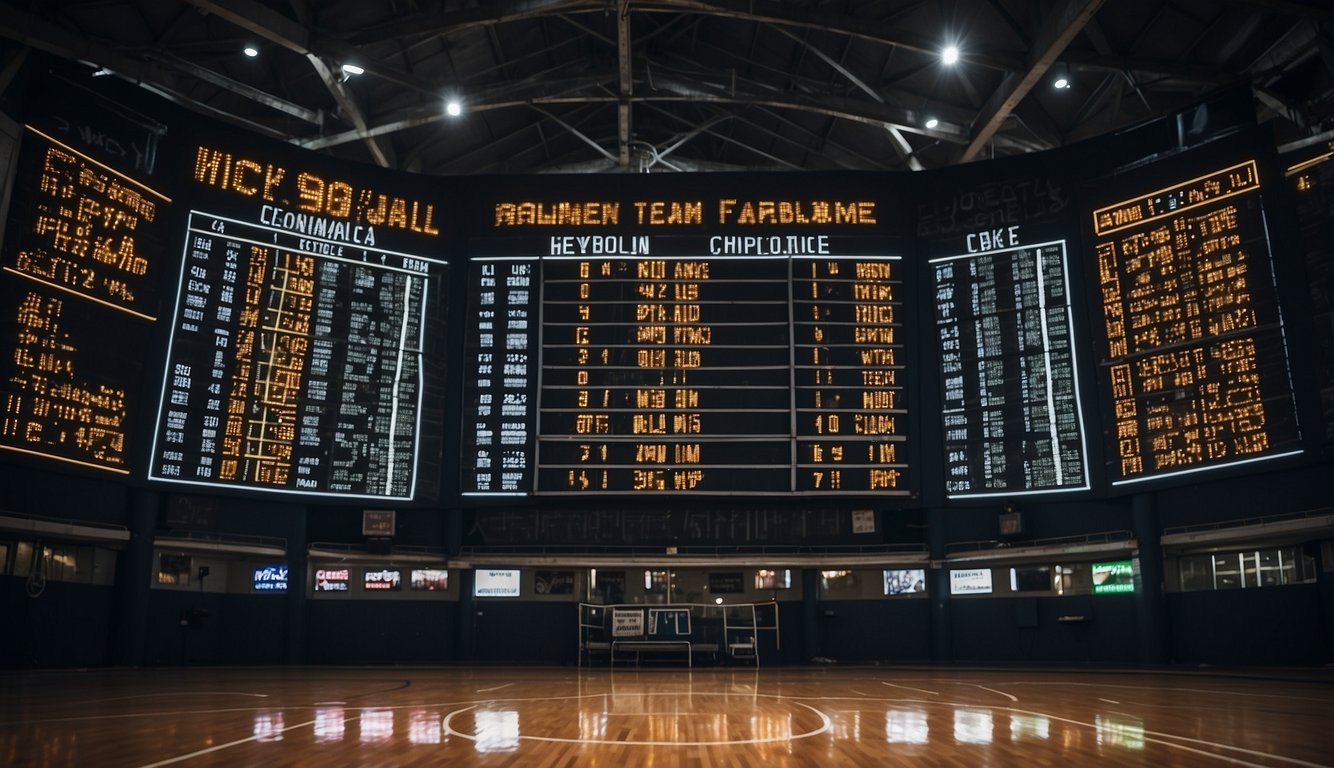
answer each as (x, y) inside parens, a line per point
(829, 716)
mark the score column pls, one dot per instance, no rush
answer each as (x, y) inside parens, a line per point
(848, 374)
(295, 364)
(1012, 419)
(500, 376)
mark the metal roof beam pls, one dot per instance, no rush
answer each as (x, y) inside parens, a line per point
(1060, 28)
(626, 77)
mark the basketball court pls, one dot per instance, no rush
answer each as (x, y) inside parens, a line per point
(616, 716)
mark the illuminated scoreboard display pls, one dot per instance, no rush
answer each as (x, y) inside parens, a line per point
(80, 272)
(1195, 361)
(679, 365)
(296, 360)
(1012, 419)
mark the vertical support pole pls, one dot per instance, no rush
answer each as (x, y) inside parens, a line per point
(810, 613)
(938, 587)
(134, 574)
(1150, 600)
(297, 565)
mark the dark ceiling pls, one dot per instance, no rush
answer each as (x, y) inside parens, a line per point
(688, 85)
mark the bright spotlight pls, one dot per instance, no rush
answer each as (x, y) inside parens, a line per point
(1062, 82)
(950, 54)
(251, 51)
(453, 108)
(931, 122)
(353, 69)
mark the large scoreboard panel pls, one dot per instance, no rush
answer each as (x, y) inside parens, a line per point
(999, 261)
(296, 359)
(647, 363)
(1195, 365)
(81, 264)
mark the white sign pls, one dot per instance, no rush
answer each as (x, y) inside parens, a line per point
(496, 583)
(627, 622)
(976, 581)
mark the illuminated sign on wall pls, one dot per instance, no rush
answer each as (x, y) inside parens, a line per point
(336, 580)
(1113, 577)
(973, 581)
(496, 583)
(270, 578)
(385, 580)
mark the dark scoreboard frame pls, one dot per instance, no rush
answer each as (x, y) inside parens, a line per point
(918, 218)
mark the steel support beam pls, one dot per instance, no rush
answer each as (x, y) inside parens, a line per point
(1060, 28)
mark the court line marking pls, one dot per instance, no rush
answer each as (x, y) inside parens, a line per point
(825, 725)
(1163, 739)
(1162, 736)
(230, 744)
(1009, 696)
(1180, 690)
(909, 688)
(1109, 701)
(488, 690)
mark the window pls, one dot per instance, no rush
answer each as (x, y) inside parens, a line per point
(1271, 567)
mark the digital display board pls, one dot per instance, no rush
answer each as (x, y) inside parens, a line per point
(80, 267)
(1110, 578)
(496, 583)
(297, 354)
(384, 580)
(1012, 418)
(973, 581)
(1195, 360)
(332, 580)
(678, 365)
(270, 578)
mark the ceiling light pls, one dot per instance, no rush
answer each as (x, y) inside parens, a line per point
(251, 51)
(353, 69)
(931, 122)
(453, 108)
(950, 54)
(1062, 82)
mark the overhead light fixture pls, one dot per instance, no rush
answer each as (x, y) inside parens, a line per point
(250, 51)
(353, 69)
(950, 55)
(1060, 76)
(453, 108)
(931, 122)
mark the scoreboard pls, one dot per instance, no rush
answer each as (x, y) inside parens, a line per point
(666, 365)
(295, 362)
(204, 311)
(1195, 361)
(81, 263)
(1012, 417)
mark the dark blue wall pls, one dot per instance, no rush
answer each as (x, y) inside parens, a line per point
(875, 630)
(1029, 630)
(210, 628)
(1267, 625)
(68, 625)
(524, 632)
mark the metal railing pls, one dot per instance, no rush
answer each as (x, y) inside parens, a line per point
(1257, 520)
(1101, 537)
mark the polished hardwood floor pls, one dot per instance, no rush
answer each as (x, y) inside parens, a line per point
(827, 716)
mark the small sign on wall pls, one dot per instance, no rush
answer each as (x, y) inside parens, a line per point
(863, 521)
(627, 622)
(377, 522)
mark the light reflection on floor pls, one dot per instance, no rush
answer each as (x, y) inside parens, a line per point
(472, 717)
